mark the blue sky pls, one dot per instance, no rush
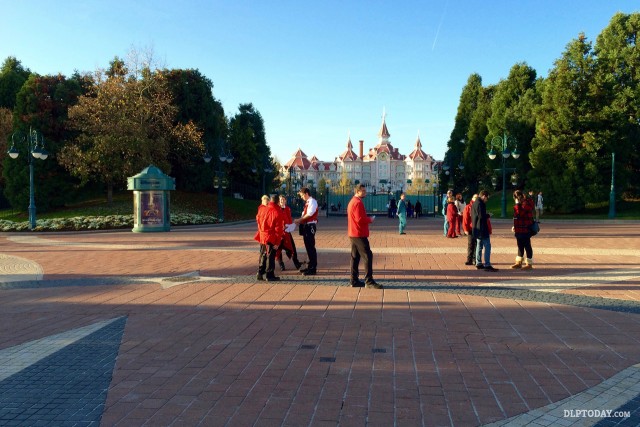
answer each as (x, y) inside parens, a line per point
(317, 71)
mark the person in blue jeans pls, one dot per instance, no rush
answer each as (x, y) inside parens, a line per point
(402, 214)
(444, 211)
(481, 229)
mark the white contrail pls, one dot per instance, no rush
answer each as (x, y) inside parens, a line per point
(444, 12)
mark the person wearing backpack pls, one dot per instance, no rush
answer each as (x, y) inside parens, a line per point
(522, 221)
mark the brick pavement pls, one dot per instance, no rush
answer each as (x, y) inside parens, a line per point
(201, 343)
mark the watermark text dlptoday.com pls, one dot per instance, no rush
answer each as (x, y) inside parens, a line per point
(595, 413)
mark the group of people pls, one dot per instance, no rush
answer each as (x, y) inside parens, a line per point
(476, 224)
(275, 224)
(452, 209)
(474, 221)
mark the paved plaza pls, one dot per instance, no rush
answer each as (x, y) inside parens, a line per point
(172, 329)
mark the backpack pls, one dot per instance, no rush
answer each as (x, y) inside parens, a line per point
(534, 228)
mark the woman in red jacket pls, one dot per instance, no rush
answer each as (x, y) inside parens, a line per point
(522, 220)
(452, 215)
(287, 244)
(466, 227)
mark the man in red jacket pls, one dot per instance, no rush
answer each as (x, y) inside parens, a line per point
(271, 230)
(358, 230)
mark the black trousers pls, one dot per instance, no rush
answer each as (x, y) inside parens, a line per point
(524, 245)
(471, 248)
(267, 260)
(309, 238)
(360, 249)
(293, 254)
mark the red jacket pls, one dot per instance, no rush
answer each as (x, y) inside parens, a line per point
(261, 208)
(522, 216)
(452, 211)
(286, 237)
(466, 218)
(270, 224)
(470, 222)
(358, 221)
(286, 212)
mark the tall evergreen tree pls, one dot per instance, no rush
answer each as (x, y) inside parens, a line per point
(459, 141)
(477, 170)
(513, 114)
(248, 144)
(564, 156)
(616, 92)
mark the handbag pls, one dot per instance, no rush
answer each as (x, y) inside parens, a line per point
(534, 228)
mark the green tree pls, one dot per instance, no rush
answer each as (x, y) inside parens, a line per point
(124, 123)
(42, 104)
(513, 112)
(193, 97)
(457, 143)
(616, 93)
(6, 128)
(248, 144)
(564, 150)
(12, 77)
(477, 170)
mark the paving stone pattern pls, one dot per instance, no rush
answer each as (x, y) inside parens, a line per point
(197, 341)
(67, 388)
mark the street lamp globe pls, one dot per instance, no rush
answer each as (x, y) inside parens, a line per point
(43, 154)
(13, 152)
(207, 157)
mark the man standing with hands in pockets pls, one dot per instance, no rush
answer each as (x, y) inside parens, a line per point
(358, 231)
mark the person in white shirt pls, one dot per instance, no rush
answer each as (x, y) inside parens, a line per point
(308, 224)
(539, 206)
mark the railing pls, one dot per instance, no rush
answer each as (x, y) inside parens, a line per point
(379, 203)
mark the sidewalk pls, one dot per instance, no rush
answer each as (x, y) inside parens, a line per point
(171, 328)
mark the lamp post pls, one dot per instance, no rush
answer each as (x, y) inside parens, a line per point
(502, 143)
(436, 188)
(220, 181)
(35, 145)
(326, 186)
(267, 169)
(612, 193)
(290, 170)
(448, 170)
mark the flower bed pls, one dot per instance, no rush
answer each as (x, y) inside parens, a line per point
(106, 222)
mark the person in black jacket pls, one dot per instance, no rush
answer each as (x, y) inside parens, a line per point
(481, 230)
